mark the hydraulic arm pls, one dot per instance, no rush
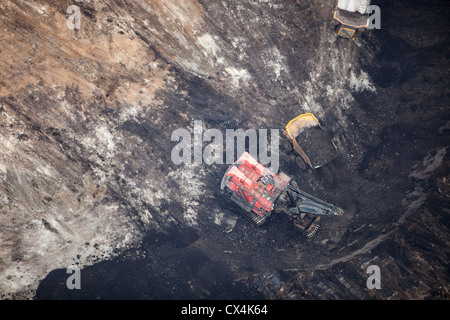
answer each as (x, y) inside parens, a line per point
(306, 203)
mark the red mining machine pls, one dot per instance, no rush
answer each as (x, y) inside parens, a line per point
(259, 192)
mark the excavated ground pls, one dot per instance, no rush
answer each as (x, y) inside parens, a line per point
(86, 175)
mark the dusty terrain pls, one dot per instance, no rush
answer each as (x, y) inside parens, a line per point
(86, 177)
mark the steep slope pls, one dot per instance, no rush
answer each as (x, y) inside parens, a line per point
(86, 171)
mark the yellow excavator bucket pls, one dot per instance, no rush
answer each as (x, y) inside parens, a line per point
(316, 148)
(298, 124)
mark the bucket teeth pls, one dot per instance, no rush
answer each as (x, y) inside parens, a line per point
(312, 232)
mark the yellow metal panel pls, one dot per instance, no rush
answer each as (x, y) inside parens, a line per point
(296, 125)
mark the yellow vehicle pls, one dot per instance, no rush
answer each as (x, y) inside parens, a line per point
(309, 141)
(351, 16)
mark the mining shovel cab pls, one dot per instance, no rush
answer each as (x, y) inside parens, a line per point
(254, 187)
(259, 192)
(351, 16)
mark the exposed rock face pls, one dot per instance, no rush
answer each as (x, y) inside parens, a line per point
(86, 118)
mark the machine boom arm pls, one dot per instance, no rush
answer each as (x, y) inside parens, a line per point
(310, 204)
